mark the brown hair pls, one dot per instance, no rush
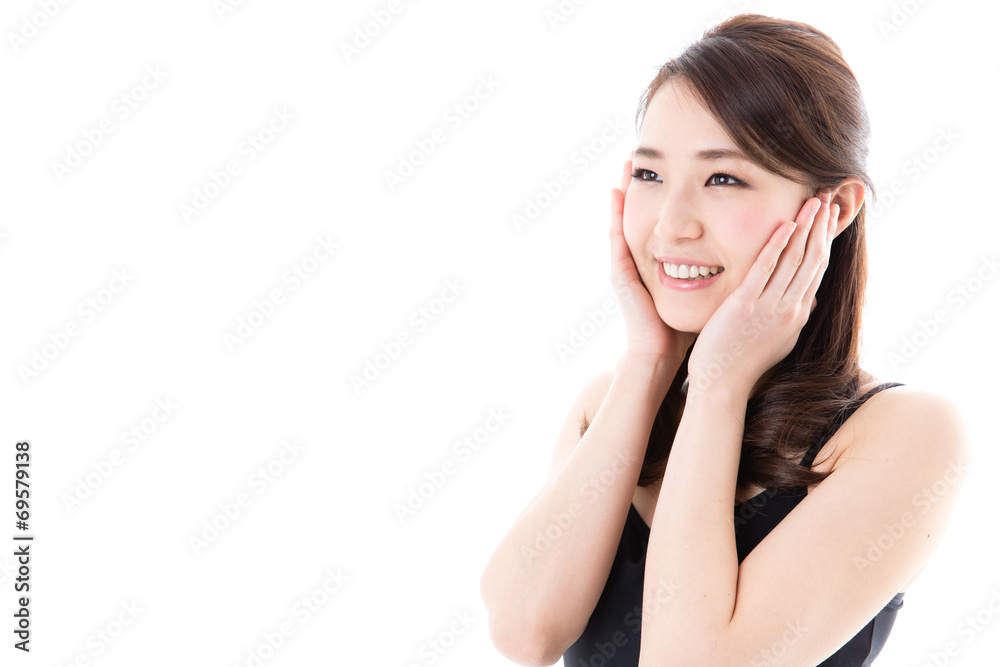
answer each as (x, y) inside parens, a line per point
(787, 98)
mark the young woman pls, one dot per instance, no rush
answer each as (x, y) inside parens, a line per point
(738, 257)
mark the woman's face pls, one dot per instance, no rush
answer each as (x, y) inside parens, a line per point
(708, 210)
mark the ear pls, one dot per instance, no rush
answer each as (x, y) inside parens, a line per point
(849, 195)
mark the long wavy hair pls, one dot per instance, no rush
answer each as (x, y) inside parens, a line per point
(788, 99)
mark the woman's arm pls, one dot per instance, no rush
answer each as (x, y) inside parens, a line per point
(692, 540)
(828, 568)
(546, 576)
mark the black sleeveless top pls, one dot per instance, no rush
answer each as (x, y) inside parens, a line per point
(611, 638)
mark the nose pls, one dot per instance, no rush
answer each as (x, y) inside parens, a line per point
(677, 216)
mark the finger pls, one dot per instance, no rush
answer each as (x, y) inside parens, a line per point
(764, 266)
(626, 175)
(617, 206)
(620, 253)
(814, 285)
(817, 257)
(624, 273)
(794, 252)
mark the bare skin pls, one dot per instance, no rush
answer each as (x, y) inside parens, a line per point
(839, 444)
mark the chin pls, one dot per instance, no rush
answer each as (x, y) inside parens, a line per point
(695, 329)
(685, 322)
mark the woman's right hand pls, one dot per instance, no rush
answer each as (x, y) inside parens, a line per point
(649, 337)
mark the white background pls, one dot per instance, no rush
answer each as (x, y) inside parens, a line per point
(162, 336)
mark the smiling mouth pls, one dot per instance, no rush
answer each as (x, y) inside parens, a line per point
(690, 271)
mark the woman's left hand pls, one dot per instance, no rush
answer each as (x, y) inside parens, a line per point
(759, 323)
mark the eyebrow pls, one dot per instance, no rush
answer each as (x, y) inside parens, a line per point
(707, 154)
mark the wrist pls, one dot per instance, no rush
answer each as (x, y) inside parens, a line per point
(658, 372)
(717, 390)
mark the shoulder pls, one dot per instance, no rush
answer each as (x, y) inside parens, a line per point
(585, 405)
(912, 409)
(866, 531)
(592, 396)
(922, 427)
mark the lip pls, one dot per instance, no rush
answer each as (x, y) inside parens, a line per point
(681, 284)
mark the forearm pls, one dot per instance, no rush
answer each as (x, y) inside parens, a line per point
(557, 555)
(692, 542)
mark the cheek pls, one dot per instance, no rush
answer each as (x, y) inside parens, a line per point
(744, 228)
(746, 232)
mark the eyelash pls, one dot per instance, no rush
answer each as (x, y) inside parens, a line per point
(637, 173)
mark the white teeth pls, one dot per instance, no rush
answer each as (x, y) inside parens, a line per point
(690, 271)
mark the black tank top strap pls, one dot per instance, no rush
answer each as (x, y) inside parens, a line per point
(807, 460)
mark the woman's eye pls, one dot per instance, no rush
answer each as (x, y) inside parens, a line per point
(724, 179)
(735, 181)
(639, 173)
